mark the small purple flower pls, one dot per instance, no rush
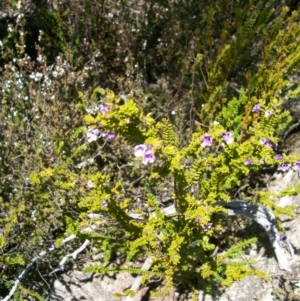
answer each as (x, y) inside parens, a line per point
(267, 143)
(104, 203)
(92, 135)
(104, 109)
(207, 227)
(227, 137)
(90, 184)
(297, 165)
(270, 144)
(267, 5)
(248, 161)
(52, 246)
(206, 141)
(148, 158)
(140, 150)
(110, 136)
(278, 157)
(282, 237)
(263, 140)
(285, 166)
(269, 113)
(256, 108)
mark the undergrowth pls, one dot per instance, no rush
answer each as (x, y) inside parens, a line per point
(194, 118)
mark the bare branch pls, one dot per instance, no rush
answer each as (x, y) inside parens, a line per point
(137, 281)
(43, 253)
(74, 255)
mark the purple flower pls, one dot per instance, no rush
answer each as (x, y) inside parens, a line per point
(92, 135)
(297, 165)
(282, 237)
(140, 150)
(206, 141)
(148, 158)
(90, 184)
(227, 137)
(278, 157)
(270, 144)
(207, 227)
(110, 136)
(104, 203)
(285, 166)
(267, 5)
(256, 108)
(269, 113)
(104, 109)
(248, 161)
(267, 143)
(263, 140)
(52, 246)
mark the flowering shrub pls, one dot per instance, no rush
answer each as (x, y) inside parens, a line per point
(75, 157)
(195, 177)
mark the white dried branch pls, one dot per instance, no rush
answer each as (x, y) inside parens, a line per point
(148, 262)
(74, 255)
(266, 219)
(137, 281)
(13, 289)
(43, 253)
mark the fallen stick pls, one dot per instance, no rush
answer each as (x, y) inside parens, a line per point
(43, 253)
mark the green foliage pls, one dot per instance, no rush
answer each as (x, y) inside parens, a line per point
(104, 270)
(28, 292)
(175, 82)
(216, 171)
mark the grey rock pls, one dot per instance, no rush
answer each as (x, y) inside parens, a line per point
(74, 286)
